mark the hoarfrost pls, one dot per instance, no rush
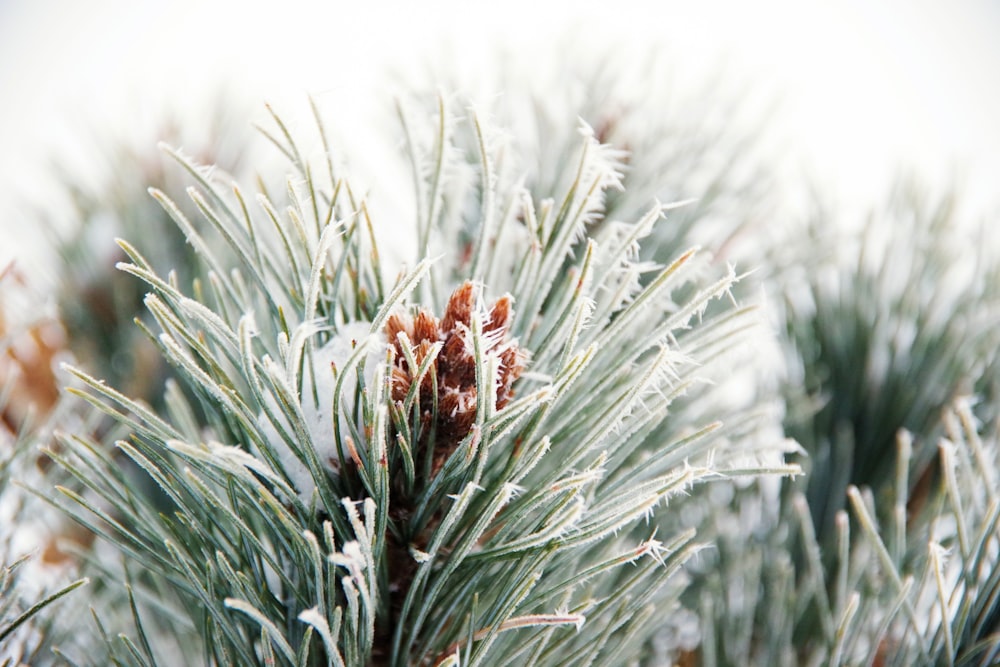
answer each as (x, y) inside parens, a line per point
(316, 405)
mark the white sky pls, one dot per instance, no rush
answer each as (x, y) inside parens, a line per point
(867, 86)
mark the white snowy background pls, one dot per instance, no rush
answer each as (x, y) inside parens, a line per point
(865, 87)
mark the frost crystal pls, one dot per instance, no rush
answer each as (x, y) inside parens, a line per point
(316, 404)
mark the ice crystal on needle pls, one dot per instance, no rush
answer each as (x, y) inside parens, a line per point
(316, 401)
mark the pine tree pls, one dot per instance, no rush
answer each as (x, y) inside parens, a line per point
(500, 424)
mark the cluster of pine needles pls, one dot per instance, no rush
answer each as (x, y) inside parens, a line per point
(519, 409)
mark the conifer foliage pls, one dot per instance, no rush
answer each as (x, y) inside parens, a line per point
(348, 479)
(496, 412)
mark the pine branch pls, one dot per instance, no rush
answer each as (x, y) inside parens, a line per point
(374, 485)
